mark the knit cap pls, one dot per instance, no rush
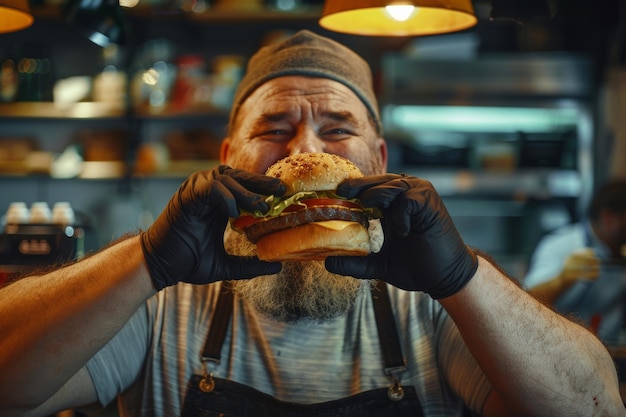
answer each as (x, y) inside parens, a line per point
(309, 54)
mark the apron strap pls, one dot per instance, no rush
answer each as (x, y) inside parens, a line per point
(385, 324)
(219, 325)
(387, 330)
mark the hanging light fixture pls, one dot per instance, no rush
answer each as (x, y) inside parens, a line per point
(100, 20)
(14, 15)
(397, 17)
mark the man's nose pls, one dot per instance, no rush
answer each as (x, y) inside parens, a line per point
(306, 140)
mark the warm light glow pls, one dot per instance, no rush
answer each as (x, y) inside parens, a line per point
(400, 18)
(14, 15)
(400, 12)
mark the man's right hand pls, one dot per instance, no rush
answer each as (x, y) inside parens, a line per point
(185, 243)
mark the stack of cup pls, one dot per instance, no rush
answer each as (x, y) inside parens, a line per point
(40, 213)
(17, 213)
(62, 213)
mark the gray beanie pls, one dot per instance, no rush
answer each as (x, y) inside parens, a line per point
(309, 54)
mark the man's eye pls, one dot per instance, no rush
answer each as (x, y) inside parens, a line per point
(274, 135)
(274, 132)
(338, 133)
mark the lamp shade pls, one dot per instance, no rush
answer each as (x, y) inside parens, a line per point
(14, 15)
(374, 17)
(99, 20)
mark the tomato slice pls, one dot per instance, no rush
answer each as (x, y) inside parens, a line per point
(240, 223)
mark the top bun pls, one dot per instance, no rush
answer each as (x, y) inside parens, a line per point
(313, 172)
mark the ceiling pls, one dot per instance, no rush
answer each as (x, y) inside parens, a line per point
(581, 26)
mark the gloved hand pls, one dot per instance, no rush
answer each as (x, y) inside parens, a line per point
(186, 244)
(422, 251)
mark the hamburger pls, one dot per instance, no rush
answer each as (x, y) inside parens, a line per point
(310, 222)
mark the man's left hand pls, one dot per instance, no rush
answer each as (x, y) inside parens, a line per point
(423, 250)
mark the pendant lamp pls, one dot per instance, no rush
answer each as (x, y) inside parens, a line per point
(14, 15)
(397, 17)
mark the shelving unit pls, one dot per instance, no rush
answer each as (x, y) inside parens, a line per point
(64, 44)
(125, 199)
(507, 140)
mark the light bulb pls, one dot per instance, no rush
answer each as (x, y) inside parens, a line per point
(400, 12)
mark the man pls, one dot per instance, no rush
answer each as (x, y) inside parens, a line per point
(577, 267)
(139, 319)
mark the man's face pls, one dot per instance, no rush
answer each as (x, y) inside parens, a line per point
(294, 114)
(611, 228)
(286, 116)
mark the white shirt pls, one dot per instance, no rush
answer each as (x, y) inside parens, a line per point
(601, 299)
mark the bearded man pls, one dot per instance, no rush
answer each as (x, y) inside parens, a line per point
(170, 323)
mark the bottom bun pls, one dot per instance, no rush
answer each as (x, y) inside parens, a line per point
(314, 241)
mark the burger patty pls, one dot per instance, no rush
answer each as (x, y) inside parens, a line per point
(313, 214)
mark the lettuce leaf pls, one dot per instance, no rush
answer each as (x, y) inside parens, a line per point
(279, 204)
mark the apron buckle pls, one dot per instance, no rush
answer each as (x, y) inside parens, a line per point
(395, 391)
(207, 383)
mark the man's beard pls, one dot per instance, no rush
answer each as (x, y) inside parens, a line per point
(301, 290)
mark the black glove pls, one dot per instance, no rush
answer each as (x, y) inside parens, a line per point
(422, 251)
(186, 242)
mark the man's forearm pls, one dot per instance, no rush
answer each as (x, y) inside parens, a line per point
(53, 323)
(537, 361)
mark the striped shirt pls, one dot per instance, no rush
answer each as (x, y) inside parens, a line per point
(149, 362)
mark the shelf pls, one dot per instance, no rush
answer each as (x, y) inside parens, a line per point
(50, 110)
(491, 74)
(108, 170)
(519, 184)
(98, 110)
(170, 112)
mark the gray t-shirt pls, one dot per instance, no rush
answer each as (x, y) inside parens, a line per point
(151, 359)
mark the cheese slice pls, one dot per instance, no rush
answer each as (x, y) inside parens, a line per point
(334, 224)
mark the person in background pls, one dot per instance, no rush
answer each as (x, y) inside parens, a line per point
(576, 268)
(170, 324)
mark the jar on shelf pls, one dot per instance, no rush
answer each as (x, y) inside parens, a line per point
(192, 87)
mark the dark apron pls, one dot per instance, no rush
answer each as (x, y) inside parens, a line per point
(208, 396)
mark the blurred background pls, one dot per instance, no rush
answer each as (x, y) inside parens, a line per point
(515, 120)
